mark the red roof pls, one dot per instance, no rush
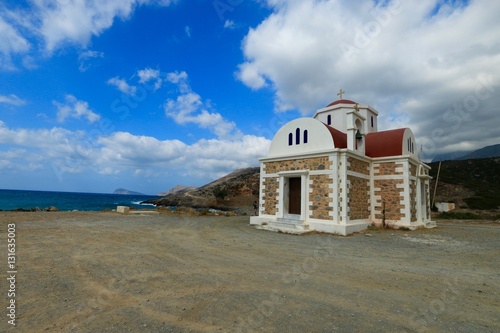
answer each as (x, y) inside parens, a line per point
(341, 101)
(385, 143)
(339, 138)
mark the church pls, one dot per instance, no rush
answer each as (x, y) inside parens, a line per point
(336, 173)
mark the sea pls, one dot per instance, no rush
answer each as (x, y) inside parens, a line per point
(69, 201)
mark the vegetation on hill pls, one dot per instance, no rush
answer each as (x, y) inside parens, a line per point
(479, 179)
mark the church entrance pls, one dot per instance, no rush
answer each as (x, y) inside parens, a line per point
(294, 197)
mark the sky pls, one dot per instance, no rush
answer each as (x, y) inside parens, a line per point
(150, 94)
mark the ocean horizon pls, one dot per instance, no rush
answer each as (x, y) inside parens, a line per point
(69, 201)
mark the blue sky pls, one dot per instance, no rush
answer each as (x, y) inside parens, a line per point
(147, 95)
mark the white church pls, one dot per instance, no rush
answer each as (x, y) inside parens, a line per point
(336, 173)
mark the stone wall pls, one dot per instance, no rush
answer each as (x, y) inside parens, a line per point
(320, 197)
(358, 198)
(359, 166)
(388, 168)
(392, 195)
(314, 163)
(270, 195)
(413, 200)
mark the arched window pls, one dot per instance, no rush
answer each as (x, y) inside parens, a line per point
(372, 121)
(290, 139)
(297, 136)
(329, 119)
(305, 136)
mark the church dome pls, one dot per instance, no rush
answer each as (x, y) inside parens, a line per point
(341, 101)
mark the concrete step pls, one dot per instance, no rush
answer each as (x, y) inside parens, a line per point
(291, 231)
(289, 224)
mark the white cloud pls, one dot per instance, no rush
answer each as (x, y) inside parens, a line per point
(147, 74)
(77, 21)
(187, 30)
(228, 24)
(84, 59)
(74, 108)
(11, 42)
(189, 107)
(59, 22)
(12, 99)
(122, 85)
(385, 55)
(122, 153)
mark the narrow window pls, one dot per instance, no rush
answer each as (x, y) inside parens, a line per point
(372, 121)
(290, 139)
(409, 145)
(297, 136)
(329, 119)
(305, 136)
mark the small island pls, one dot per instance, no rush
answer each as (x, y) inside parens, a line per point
(126, 192)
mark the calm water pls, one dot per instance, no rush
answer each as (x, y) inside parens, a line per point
(14, 199)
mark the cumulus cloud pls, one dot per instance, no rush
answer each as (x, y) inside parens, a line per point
(70, 152)
(12, 100)
(74, 108)
(189, 107)
(60, 22)
(122, 85)
(413, 61)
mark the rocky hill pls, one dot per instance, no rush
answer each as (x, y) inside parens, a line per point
(237, 190)
(179, 189)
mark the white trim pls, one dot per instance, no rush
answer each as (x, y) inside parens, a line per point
(357, 174)
(388, 177)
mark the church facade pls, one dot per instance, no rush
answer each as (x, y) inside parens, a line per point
(336, 173)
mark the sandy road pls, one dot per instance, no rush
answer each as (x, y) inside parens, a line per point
(105, 272)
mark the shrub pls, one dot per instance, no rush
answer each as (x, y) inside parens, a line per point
(219, 193)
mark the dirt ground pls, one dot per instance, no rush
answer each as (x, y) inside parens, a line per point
(106, 272)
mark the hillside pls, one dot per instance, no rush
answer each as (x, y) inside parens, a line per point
(473, 184)
(237, 190)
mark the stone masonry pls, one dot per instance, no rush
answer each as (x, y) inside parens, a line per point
(358, 198)
(358, 166)
(270, 195)
(315, 163)
(391, 195)
(320, 196)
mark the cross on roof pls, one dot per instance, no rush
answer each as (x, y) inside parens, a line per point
(341, 92)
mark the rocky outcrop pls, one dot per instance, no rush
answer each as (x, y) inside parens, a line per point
(237, 190)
